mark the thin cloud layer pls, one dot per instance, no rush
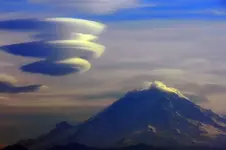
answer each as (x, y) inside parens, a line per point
(62, 48)
(8, 85)
(9, 88)
(57, 28)
(7, 78)
(90, 6)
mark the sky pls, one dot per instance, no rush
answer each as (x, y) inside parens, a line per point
(179, 42)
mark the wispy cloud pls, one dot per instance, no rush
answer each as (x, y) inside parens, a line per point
(8, 85)
(5, 64)
(90, 6)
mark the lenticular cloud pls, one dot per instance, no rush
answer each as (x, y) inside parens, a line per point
(63, 45)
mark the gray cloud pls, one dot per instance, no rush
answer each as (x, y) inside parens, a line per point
(219, 72)
(5, 64)
(213, 89)
(8, 85)
(105, 95)
(197, 98)
(9, 88)
(202, 89)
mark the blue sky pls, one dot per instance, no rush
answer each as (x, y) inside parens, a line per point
(144, 9)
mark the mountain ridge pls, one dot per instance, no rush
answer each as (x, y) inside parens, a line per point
(154, 114)
(76, 146)
(157, 100)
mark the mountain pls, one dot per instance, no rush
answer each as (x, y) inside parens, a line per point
(57, 136)
(15, 147)
(154, 115)
(76, 146)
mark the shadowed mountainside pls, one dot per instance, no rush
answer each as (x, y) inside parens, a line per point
(154, 115)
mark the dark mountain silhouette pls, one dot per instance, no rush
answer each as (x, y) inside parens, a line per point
(134, 147)
(76, 146)
(15, 147)
(56, 136)
(154, 115)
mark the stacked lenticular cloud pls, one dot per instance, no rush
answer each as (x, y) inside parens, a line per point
(63, 45)
(79, 41)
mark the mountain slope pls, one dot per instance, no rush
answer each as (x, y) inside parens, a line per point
(153, 114)
(15, 147)
(156, 115)
(57, 136)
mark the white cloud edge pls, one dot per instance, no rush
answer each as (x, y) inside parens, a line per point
(95, 6)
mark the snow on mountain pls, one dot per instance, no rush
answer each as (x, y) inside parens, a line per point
(161, 86)
(153, 114)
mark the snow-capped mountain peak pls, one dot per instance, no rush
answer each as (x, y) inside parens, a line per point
(154, 115)
(161, 86)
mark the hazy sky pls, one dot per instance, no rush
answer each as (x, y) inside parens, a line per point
(181, 43)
